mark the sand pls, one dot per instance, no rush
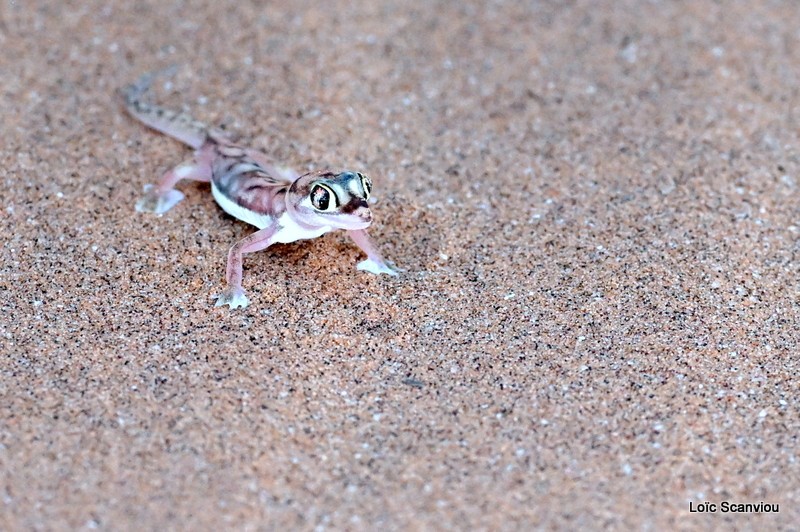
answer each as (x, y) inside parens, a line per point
(596, 207)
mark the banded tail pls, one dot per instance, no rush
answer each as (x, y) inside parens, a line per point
(180, 126)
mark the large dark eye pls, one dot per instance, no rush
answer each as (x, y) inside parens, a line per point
(366, 184)
(323, 198)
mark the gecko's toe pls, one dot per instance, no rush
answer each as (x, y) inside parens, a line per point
(378, 268)
(158, 203)
(232, 296)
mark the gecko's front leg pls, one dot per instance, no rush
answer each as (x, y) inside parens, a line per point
(374, 262)
(161, 198)
(233, 294)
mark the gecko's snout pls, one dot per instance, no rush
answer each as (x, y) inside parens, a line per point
(356, 214)
(355, 205)
(358, 207)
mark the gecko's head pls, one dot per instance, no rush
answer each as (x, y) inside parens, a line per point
(337, 200)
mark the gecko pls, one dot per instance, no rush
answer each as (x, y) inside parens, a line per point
(282, 204)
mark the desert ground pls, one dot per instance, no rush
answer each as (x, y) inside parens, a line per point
(595, 207)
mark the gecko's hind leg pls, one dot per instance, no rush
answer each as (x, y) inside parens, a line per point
(161, 198)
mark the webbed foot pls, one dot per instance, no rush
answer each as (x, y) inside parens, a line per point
(158, 203)
(233, 296)
(377, 268)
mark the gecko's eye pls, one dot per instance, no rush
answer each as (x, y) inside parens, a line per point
(323, 198)
(366, 184)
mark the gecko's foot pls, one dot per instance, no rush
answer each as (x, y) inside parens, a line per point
(377, 268)
(233, 296)
(158, 203)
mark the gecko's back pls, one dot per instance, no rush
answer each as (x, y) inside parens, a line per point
(246, 188)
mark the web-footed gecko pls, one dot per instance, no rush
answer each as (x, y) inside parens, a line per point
(283, 205)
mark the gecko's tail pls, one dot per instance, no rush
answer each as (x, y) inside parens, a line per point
(177, 125)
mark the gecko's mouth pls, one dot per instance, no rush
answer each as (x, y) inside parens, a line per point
(357, 213)
(357, 221)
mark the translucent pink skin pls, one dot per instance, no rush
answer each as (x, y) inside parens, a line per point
(248, 180)
(250, 186)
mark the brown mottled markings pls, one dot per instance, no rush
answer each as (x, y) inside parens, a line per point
(303, 190)
(240, 167)
(256, 185)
